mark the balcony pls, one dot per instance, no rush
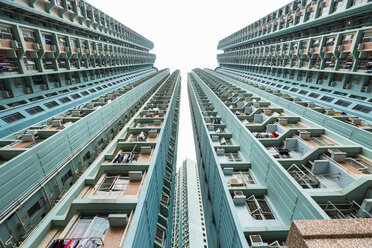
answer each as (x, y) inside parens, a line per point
(97, 230)
(254, 210)
(115, 186)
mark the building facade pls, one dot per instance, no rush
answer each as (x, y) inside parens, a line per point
(85, 117)
(54, 53)
(265, 161)
(124, 195)
(188, 221)
(309, 60)
(320, 51)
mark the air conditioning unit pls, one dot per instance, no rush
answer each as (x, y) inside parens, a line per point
(311, 50)
(78, 50)
(337, 155)
(28, 137)
(256, 242)
(311, 105)
(220, 152)
(135, 175)
(228, 171)
(11, 54)
(239, 198)
(15, 44)
(360, 46)
(256, 104)
(304, 134)
(75, 113)
(145, 149)
(56, 123)
(235, 182)
(157, 122)
(324, 49)
(50, 55)
(330, 111)
(37, 46)
(27, 90)
(89, 105)
(5, 94)
(267, 112)
(356, 121)
(153, 133)
(283, 121)
(67, 49)
(53, 48)
(118, 220)
(33, 55)
(339, 48)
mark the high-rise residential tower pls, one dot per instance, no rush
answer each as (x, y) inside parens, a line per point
(188, 221)
(265, 161)
(88, 129)
(120, 192)
(320, 51)
(312, 60)
(56, 54)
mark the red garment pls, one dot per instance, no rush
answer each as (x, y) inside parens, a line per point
(68, 244)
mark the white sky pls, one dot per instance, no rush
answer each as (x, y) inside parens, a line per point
(186, 34)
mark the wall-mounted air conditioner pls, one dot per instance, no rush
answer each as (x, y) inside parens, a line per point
(118, 220)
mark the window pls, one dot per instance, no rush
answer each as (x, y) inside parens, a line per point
(18, 83)
(28, 36)
(34, 110)
(327, 99)
(66, 177)
(36, 207)
(343, 103)
(51, 104)
(6, 33)
(74, 43)
(314, 95)
(303, 92)
(363, 108)
(330, 41)
(12, 117)
(90, 226)
(64, 99)
(47, 39)
(113, 185)
(258, 208)
(84, 93)
(92, 90)
(233, 157)
(367, 37)
(75, 96)
(347, 39)
(160, 235)
(62, 41)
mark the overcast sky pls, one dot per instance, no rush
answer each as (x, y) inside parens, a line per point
(186, 34)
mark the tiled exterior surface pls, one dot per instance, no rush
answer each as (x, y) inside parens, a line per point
(330, 233)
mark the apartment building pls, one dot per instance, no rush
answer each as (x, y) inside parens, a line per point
(188, 222)
(265, 160)
(320, 51)
(56, 54)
